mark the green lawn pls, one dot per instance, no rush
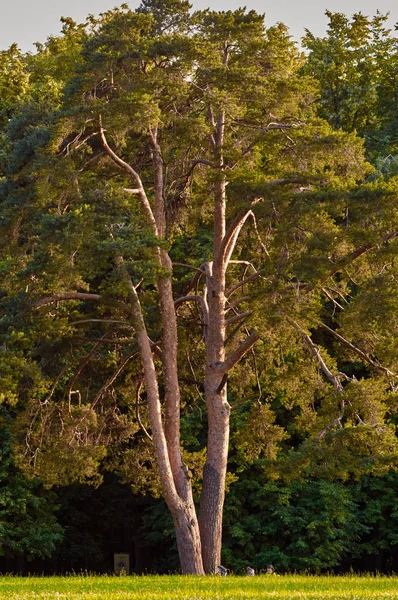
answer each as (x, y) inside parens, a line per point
(198, 588)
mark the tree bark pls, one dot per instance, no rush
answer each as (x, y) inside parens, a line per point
(184, 512)
(218, 409)
(177, 490)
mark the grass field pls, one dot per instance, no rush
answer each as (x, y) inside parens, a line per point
(176, 587)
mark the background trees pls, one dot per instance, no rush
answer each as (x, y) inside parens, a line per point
(355, 64)
(174, 196)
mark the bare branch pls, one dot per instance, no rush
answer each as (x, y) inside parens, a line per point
(339, 293)
(334, 379)
(195, 279)
(113, 341)
(200, 300)
(243, 262)
(235, 303)
(357, 253)
(230, 238)
(336, 421)
(132, 190)
(83, 296)
(85, 360)
(330, 297)
(241, 283)
(260, 241)
(190, 267)
(68, 296)
(133, 173)
(358, 351)
(203, 161)
(54, 385)
(183, 299)
(239, 353)
(99, 321)
(238, 317)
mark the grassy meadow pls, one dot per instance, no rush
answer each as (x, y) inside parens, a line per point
(274, 587)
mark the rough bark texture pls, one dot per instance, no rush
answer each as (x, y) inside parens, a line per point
(218, 410)
(182, 508)
(213, 489)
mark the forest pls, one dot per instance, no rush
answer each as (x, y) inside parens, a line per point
(198, 295)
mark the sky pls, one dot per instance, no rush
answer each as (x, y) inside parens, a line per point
(29, 21)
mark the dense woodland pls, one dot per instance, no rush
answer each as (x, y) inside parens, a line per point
(198, 295)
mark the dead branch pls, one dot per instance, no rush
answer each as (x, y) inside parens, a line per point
(54, 385)
(243, 262)
(200, 300)
(260, 241)
(99, 321)
(83, 296)
(338, 292)
(235, 303)
(84, 362)
(360, 251)
(198, 269)
(336, 421)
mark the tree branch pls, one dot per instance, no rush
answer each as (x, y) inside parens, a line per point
(68, 296)
(239, 353)
(241, 283)
(230, 238)
(359, 252)
(235, 303)
(108, 383)
(83, 296)
(357, 351)
(330, 297)
(334, 379)
(238, 317)
(133, 173)
(137, 410)
(200, 300)
(189, 267)
(336, 421)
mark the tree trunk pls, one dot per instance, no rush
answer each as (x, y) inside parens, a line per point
(214, 473)
(218, 409)
(188, 540)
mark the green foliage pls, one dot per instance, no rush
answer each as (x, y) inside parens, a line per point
(355, 65)
(306, 525)
(28, 526)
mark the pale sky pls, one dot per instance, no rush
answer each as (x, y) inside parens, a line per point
(28, 21)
